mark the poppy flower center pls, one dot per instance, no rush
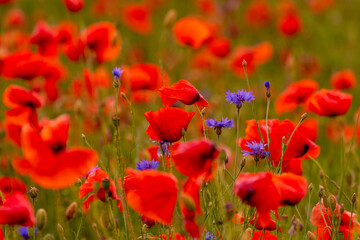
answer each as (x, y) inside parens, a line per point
(57, 148)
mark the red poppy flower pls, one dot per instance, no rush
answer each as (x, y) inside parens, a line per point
(45, 38)
(137, 17)
(344, 79)
(190, 205)
(96, 176)
(65, 32)
(74, 5)
(152, 194)
(317, 220)
(103, 39)
(182, 91)
(289, 24)
(47, 161)
(292, 188)
(265, 235)
(254, 57)
(15, 18)
(258, 14)
(167, 124)
(191, 32)
(295, 95)
(318, 6)
(196, 159)
(299, 146)
(23, 64)
(329, 103)
(75, 49)
(17, 210)
(310, 128)
(9, 185)
(219, 47)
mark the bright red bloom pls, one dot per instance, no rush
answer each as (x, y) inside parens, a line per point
(317, 220)
(103, 39)
(253, 55)
(329, 103)
(45, 38)
(196, 159)
(219, 47)
(167, 124)
(17, 210)
(264, 235)
(47, 161)
(137, 17)
(310, 128)
(295, 95)
(182, 91)
(23, 64)
(299, 146)
(9, 185)
(74, 5)
(15, 18)
(258, 14)
(152, 194)
(289, 24)
(87, 187)
(344, 79)
(292, 188)
(191, 32)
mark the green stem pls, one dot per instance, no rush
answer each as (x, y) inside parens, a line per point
(237, 139)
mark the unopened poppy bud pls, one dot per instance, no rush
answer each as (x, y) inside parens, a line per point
(105, 183)
(310, 187)
(342, 209)
(79, 182)
(203, 111)
(332, 201)
(230, 210)
(70, 211)
(188, 202)
(244, 63)
(83, 136)
(61, 231)
(311, 236)
(33, 192)
(242, 164)
(49, 237)
(116, 121)
(78, 107)
(326, 201)
(123, 95)
(353, 198)
(304, 116)
(322, 175)
(170, 18)
(183, 131)
(223, 156)
(321, 192)
(41, 219)
(247, 234)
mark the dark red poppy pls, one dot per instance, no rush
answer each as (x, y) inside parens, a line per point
(17, 210)
(96, 176)
(74, 5)
(45, 38)
(264, 235)
(137, 17)
(102, 39)
(182, 91)
(295, 95)
(192, 32)
(167, 124)
(253, 55)
(47, 161)
(152, 194)
(329, 103)
(23, 64)
(344, 79)
(299, 146)
(9, 185)
(219, 47)
(289, 24)
(258, 14)
(190, 205)
(324, 233)
(196, 159)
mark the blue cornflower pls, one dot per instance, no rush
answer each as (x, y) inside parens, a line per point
(257, 150)
(24, 232)
(163, 148)
(209, 236)
(146, 164)
(116, 72)
(239, 97)
(267, 85)
(219, 125)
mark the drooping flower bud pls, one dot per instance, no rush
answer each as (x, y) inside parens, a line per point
(41, 219)
(70, 211)
(33, 192)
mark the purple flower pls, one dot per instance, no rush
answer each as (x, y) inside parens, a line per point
(209, 236)
(218, 125)
(24, 232)
(116, 72)
(163, 148)
(257, 150)
(267, 85)
(146, 165)
(239, 97)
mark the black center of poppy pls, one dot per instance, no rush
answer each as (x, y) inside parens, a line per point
(57, 148)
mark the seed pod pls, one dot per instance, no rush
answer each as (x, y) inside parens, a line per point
(310, 187)
(105, 183)
(332, 201)
(49, 237)
(321, 192)
(311, 236)
(70, 211)
(170, 18)
(41, 219)
(247, 234)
